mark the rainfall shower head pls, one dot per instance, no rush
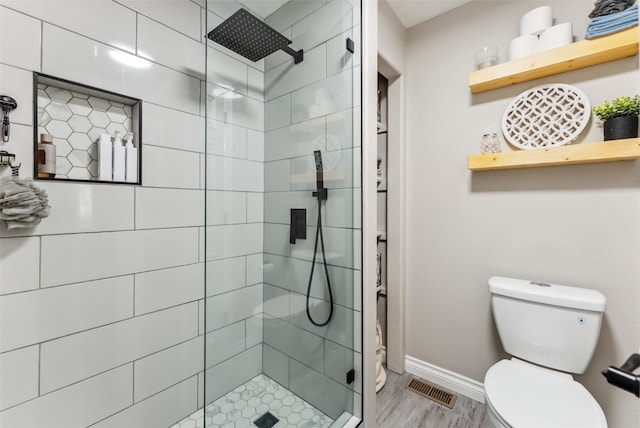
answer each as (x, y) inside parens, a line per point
(246, 35)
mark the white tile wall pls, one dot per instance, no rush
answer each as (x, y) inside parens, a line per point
(225, 139)
(255, 145)
(46, 314)
(224, 343)
(295, 140)
(19, 380)
(277, 113)
(170, 168)
(234, 306)
(323, 24)
(226, 275)
(160, 410)
(234, 174)
(81, 257)
(16, 26)
(286, 78)
(295, 342)
(254, 269)
(65, 54)
(234, 240)
(166, 46)
(255, 204)
(181, 15)
(226, 72)
(72, 358)
(228, 375)
(166, 127)
(159, 371)
(277, 176)
(254, 327)
(327, 96)
(227, 106)
(16, 253)
(122, 35)
(162, 208)
(275, 364)
(78, 405)
(161, 289)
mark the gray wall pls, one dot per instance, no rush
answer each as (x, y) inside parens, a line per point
(575, 225)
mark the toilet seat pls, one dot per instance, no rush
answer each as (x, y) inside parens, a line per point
(527, 396)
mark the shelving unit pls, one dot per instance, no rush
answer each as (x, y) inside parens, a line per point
(607, 151)
(577, 55)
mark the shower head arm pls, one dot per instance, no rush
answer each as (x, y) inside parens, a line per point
(298, 56)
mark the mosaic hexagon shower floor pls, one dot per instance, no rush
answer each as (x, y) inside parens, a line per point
(240, 407)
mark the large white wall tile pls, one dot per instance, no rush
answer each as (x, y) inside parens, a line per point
(235, 371)
(76, 357)
(18, 84)
(338, 244)
(165, 368)
(79, 207)
(82, 60)
(81, 257)
(275, 364)
(255, 207)
(232, 307)
(20, 266)
(339, 330)
(255, 84)
(226, 106)
(288, 76)
(79, 405)
(161, 289)
(16, 26)
(254, 327)
(171, 48)
(226, 72)
(328, 396)
(296, 140)
(292, 12)
(226, 208)
(95, 19)
(48, 313)
(285, 272)
(181, 15)
(226, 275)
(295, 342)
(157, 208)
(234, 240)
(225, 139)
(327, 96)
(161, 410)
(234, 174)
(224, 343)
(277, 176)
(277, 113)
(19, 380)
(170, 168)
(254, 269)
(339, 212)
(323, 24)
(166, 127)
(276, 302)
(338, 57)
(255, 145)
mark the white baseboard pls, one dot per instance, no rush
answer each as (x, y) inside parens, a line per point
(447, 379)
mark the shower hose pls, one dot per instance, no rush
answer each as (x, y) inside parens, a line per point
(326, 271)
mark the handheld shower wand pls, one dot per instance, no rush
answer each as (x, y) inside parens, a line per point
(321, 195)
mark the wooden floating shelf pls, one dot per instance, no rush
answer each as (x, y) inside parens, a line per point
(607, 151)
(577, 55)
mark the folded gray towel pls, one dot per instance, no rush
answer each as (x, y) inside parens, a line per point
(608, 7)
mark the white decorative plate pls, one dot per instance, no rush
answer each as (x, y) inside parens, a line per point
(546, 116)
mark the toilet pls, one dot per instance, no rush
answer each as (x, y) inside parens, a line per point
(550, 331)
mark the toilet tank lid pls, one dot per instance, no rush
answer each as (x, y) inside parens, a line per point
(550, 294)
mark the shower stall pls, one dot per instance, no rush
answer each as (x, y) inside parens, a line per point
(283, 230)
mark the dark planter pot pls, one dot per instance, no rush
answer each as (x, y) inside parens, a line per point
(618, 128)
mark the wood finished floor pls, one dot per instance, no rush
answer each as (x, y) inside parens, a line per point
(397, 407)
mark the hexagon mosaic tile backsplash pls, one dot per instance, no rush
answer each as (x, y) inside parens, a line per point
(76, 122)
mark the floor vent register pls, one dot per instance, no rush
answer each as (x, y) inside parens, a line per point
(431, 391)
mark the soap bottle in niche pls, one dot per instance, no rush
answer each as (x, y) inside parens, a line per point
(105, 158)
(118, 158)
(46, 157)
(131, 162)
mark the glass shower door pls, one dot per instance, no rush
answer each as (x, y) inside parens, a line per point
(283, 189)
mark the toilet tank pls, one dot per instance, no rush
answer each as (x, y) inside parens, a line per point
(551, 325)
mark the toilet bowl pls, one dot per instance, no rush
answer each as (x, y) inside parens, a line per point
(550, 331)
(522, 395)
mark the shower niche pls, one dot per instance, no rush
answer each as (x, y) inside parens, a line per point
(76, 120)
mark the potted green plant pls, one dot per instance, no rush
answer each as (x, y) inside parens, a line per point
(620, 117)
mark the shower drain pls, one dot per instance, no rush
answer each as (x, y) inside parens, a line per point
(431, 391)
(266, 421)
